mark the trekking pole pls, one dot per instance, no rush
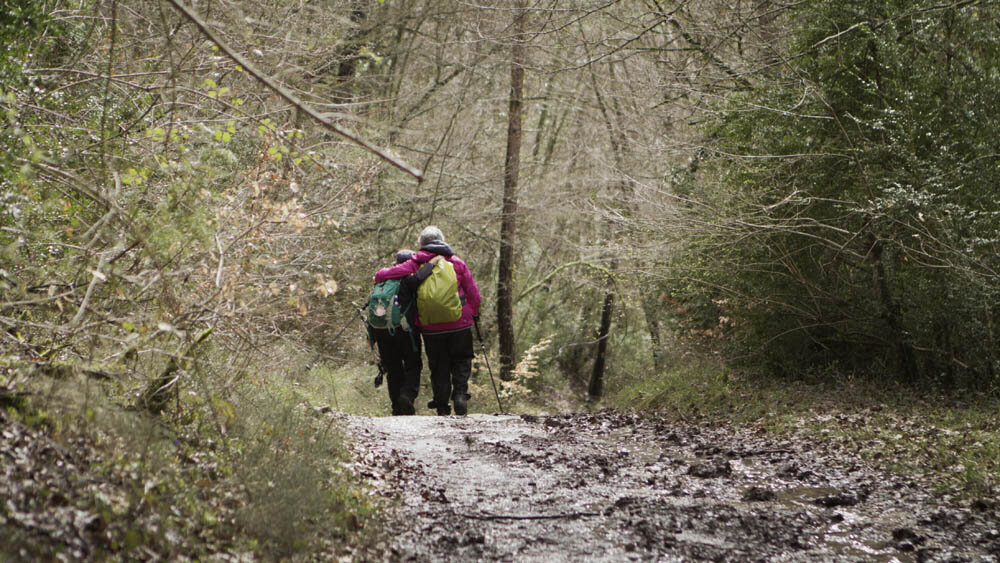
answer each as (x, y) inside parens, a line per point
(488, 368)
(371, 344)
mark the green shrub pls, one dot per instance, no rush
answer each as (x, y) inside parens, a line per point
(861, 226)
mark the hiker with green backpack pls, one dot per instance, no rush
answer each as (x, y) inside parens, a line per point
(391, 315)
(447, 306)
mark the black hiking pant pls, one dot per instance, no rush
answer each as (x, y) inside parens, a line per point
(400, 354)
(450, 357)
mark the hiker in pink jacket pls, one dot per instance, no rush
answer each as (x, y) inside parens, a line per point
(448, 344)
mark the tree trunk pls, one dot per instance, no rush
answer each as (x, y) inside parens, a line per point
(505, 286)
(991, 345)
(652, 313)
(618, 144)
(596, 389)
(890, 312)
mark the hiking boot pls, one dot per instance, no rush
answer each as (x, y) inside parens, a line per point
(405, 406)
(442, 409)
(461, 404)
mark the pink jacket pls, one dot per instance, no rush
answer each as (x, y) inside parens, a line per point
(467, 288)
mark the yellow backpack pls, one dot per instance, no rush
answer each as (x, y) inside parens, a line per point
(438, 300)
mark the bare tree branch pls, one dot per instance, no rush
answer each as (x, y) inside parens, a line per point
(292, 98)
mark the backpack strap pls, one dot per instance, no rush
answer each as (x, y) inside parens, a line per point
(425, 271)
(394, 302)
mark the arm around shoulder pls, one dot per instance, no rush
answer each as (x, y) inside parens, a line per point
(397, 271)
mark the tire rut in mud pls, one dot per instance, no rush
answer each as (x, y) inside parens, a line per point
(617, 486)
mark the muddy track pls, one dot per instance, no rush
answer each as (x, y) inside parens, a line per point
(618, 487)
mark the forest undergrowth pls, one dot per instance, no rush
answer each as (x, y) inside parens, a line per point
(258, 473)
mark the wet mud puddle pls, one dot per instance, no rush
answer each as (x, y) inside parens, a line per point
(619, 487)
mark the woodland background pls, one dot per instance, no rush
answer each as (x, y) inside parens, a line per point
(773, 191)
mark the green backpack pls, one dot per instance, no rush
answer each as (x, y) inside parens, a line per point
(438, 300)
(383, 307)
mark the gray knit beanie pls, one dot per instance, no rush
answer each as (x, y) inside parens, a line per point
(430, 234)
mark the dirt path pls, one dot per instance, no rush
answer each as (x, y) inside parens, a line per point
(618, 487)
